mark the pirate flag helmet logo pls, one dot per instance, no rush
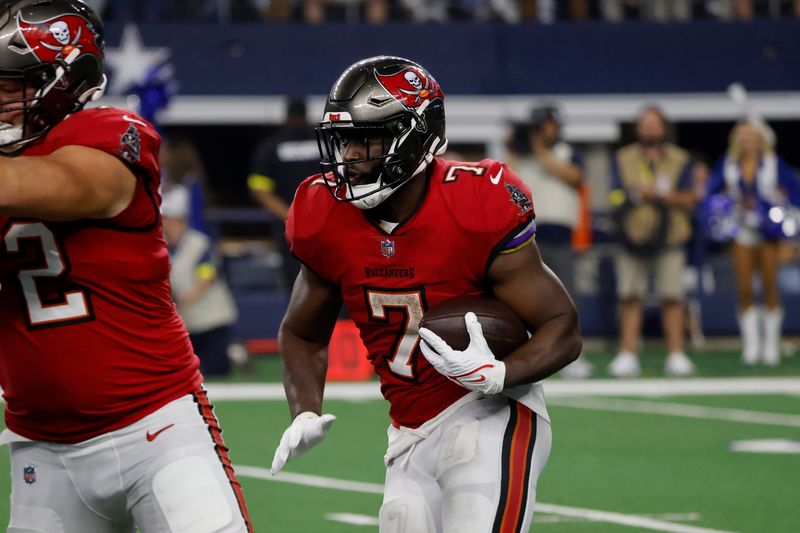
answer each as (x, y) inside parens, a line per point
(55, 39)
(411, 86)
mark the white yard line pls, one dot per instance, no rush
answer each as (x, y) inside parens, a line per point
(540, 518)
(681, 410)
(308, 480)
(370, 390)
(772, 446)
(353, 519)
(642, 522)
(553, 388)
(623, 519)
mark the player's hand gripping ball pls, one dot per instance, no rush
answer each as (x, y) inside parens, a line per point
(465, 339)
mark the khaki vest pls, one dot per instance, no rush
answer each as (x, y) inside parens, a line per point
(634, 173)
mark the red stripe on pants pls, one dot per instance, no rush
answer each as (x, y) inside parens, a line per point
(207, 411)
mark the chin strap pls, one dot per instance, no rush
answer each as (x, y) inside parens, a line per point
(368, 201)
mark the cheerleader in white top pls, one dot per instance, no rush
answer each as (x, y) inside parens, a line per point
(762, 186)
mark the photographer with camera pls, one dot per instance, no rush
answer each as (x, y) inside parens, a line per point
(653, 197)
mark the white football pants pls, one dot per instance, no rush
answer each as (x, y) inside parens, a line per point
(167, 473)
(473, 469)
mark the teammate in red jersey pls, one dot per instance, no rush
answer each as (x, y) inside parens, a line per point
(108, 425)
(390, 229)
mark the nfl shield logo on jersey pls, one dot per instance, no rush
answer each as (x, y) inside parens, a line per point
(387, 248)
(29, 474)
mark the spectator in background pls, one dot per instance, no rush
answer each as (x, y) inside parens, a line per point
(280, 163)
(554, 172)
(181, 166)
(697, 249)
(375, 11)
(202, 297)
(653, 194)
(746, 10)
(651, 10)
(759, 181)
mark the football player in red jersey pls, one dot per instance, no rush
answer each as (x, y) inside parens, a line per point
(390, 229)
(107, 422)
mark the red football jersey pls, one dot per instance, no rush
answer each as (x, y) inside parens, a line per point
(89, 337)
(469, 214)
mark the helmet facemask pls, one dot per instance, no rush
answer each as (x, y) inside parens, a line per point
(48, 95)
(12, 133)
(369, 173)
(392, 157)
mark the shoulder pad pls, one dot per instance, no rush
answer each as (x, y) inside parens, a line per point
(486, 197)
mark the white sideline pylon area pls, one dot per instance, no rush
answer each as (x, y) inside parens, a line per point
(554, 388)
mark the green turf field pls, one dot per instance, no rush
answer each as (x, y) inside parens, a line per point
(619, 463)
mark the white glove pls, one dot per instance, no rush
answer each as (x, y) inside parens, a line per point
(306, 431)
(475, 368)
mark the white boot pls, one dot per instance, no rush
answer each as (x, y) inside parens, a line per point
(749, 324)
(773, 320)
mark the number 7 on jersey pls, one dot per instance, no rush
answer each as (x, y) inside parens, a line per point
(410, 303)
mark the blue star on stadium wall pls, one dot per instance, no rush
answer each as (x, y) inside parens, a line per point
(131, 61)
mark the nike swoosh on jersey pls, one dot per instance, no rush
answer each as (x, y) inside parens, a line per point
(135, 121)
(496, 178)
(152, 436)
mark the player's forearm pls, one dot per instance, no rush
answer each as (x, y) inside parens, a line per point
(555, 344)
(14, 198)
(58, 189)
(304, 367)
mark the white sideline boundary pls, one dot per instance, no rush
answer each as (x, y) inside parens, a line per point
(553, 388)
(655, 388)
(681, 410)
(642, 522)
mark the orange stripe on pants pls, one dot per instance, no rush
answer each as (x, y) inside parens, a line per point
(517, 451)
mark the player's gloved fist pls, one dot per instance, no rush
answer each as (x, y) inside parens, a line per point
(475, 368)
(306, 431)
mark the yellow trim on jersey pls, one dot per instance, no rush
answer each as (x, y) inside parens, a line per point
(206, 271)
(258, 182)
(518, 247)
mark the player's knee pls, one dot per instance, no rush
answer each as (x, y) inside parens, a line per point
(190, 495)
(34, 520)
(406, 514)
(459, 445)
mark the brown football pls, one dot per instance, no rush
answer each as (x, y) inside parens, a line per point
(503, 330)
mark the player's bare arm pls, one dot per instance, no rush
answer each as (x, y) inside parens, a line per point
(303, 340)
(524, 283)
(72, 183)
